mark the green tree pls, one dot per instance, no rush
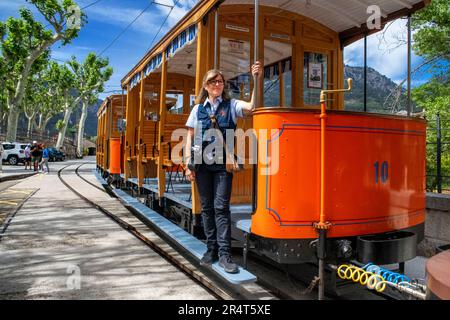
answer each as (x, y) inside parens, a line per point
(32, 101)
(24, 41)
(432, 31)
(89, 78)
(3, 91)
(432, 42)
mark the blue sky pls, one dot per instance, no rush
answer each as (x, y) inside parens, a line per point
(108, 18)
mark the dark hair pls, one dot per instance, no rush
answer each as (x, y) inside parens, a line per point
(211, 74)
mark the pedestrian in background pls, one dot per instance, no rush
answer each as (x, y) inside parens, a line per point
(35, 155)
(28, 156)
(44, 161)
(40, 150)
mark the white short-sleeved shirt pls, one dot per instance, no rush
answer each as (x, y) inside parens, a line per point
(237, 107)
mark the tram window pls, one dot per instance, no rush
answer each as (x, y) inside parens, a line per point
(314, 77)
(287, 73)
(277, 74)
(191, 102)
(174, 103)
(235, 65)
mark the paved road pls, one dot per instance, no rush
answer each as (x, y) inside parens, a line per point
(57, 247)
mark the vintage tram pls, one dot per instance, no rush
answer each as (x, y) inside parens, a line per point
(348, 185)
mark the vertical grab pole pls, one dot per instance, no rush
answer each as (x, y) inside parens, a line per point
(365, 73)
(122, 147)
(409, 65)
(438, 153)
(322, 226)
(323, 116)
(256, 50)
(216, 38)
(255, 95)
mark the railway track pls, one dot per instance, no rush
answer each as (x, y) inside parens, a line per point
(205, 278)
(269, 276)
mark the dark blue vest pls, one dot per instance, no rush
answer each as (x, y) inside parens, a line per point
(223, 118)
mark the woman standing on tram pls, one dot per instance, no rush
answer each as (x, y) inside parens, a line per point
(213, 181)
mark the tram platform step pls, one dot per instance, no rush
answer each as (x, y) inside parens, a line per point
(244, 225)
(125, 197)
(196, 247)
(133, 181)
(99, 178)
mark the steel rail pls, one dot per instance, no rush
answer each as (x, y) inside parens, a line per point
(86, 180)
(203, 281)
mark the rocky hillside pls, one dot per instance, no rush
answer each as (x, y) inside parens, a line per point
(379, 87)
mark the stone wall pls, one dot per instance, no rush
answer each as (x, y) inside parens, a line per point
(437, 223)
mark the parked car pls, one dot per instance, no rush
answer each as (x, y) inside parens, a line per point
(56, 155)
(14, 152)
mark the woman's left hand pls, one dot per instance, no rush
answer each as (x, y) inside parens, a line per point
(256, 69)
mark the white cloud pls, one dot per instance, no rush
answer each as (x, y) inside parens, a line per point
(149, 22)
(179, 11)
(66, 54)
(382, 54)
(123, 16)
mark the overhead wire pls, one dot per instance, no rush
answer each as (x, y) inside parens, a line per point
(164, 22)
(126, 28)
(90, 5)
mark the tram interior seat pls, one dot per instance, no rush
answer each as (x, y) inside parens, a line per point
(149, 140)
(173, 122)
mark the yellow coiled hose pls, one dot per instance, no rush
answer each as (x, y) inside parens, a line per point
(366, 278)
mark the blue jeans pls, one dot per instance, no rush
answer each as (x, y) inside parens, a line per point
(214, 187)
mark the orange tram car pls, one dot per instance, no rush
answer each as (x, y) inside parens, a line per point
(348, 185)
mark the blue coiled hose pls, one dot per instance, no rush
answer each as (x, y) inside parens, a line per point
(389, 275)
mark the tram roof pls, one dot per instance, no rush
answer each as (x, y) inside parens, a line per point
(346, 17)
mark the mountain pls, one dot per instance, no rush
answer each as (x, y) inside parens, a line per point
(379, 87)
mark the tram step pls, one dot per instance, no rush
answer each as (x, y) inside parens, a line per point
(244, 225)
(125, 197)
(183, 238)
(99, 178)
(133, 180)
(196, 247)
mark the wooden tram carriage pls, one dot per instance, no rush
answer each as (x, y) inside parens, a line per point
(110, 140)
(372, 177)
